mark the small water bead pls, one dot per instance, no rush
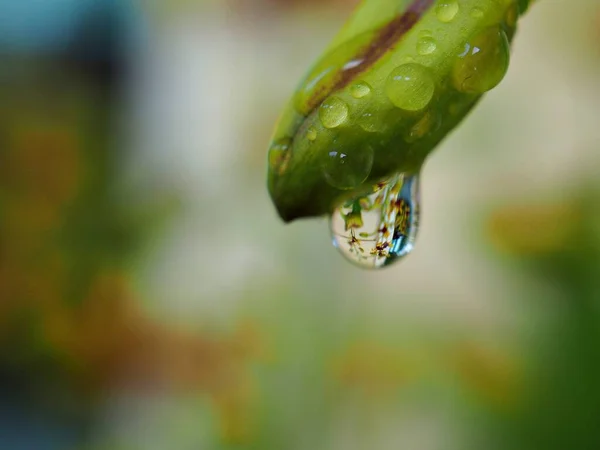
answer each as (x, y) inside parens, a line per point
(311, 133)
(482, 64)
(370, 122)
(379, 229)
(410, 87)
(347, 170)
(333, 112)
(280, 154)
(426, 45)
(360, 89)
(447, 10)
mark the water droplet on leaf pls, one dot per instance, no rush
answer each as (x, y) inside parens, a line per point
(333, 112)
(311, 133)
(446, 11)
(348, 169)
(426, 45)
(482, 64)
(379, 229)
(370, 122)
(410, 87)
(360, 89)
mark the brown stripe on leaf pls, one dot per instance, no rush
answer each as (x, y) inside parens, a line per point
(383, 41)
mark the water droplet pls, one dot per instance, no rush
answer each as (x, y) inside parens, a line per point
(426, 45)
(425, 33)
(482, 64)
(360, 89)
(333, 112)
(348, 169)
(410, 87)
(279, 155)
(311, 133)
(446, 11)
(376, 230)
(476, 13)
(370, 123)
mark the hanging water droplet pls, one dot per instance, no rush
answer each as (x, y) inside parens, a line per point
(333, 112)
(410, 87)
(376, 230)
(482, 64)
(360, 89)
(311, 133)
(426, 45)
(447, 10)
(348, 169)
(279, 155)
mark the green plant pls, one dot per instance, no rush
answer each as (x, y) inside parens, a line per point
(398, 78)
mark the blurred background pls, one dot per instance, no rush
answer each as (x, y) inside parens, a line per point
(151, 299)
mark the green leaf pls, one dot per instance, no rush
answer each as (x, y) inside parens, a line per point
(399, 76)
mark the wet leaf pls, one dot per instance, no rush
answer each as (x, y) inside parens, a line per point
(394, 82)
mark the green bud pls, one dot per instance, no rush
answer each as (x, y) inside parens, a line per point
(395, 81)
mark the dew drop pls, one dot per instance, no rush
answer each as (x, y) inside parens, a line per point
(279, 155)
(333, 112)
(360, 89)
(379, 229)
(370, 122)
(348, 169)
(410, 87)
(482, 63)
(446, 11)
(311, 133)
(426, 45)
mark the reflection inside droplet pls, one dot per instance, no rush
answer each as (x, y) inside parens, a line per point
(377, 229)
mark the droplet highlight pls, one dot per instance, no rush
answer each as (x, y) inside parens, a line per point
(482, 63)
(348, 169)
(333, 112)
(447, 10)
(426, 45)
(379, 229)
(360, 89)
(311, 133)
(410, 87)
